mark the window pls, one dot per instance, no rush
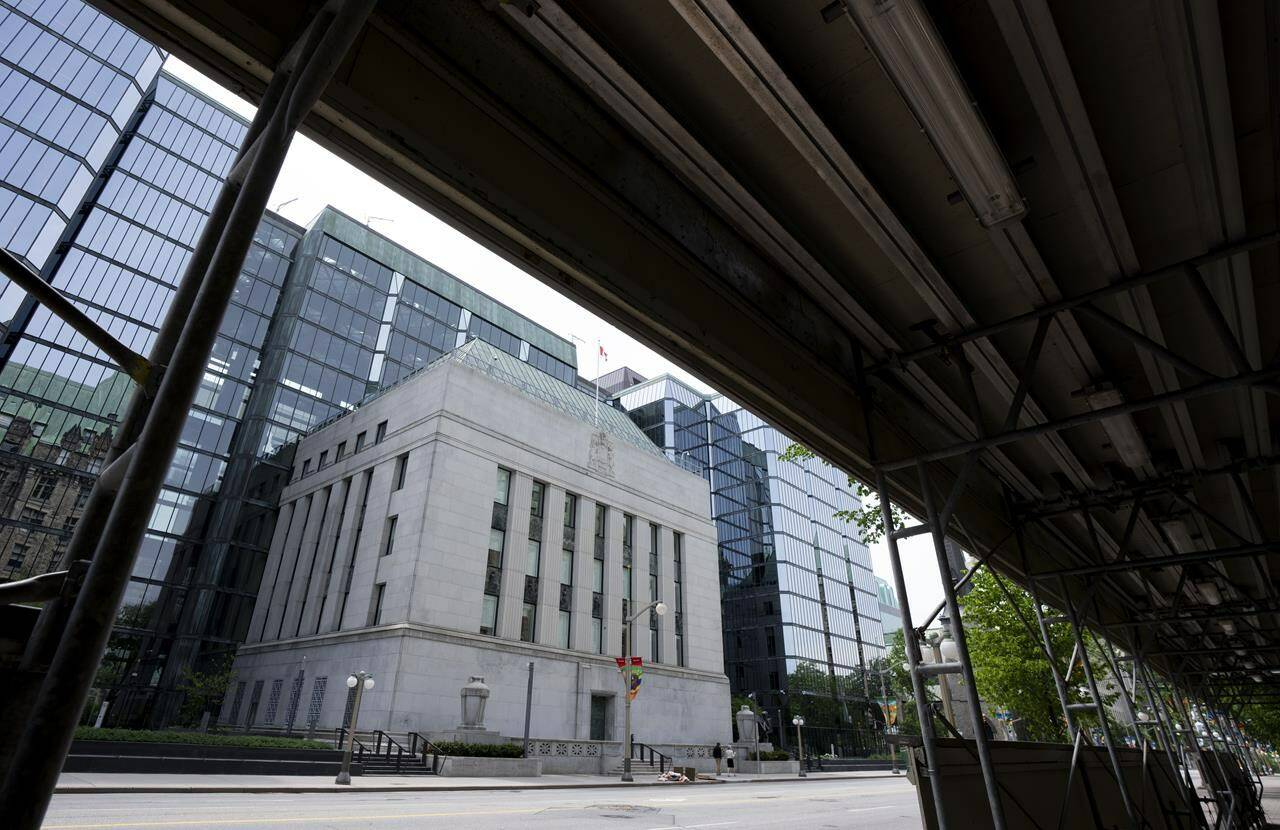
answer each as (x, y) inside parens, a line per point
(360, 436)
(597, 581)
(533, 564)
(44, 488)
(677, 576)
(17, 554)
(389, 546)
(342, 451)
(379, 591)
(33, 516)
(380, 432)
(568, 545)
(654, 638)
(397, 478)
(306, 467)
(324, 459)
(497, 544)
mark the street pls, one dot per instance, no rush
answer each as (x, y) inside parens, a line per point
(846, 803)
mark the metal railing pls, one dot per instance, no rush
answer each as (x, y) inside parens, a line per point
(646, 754)
(420, 747)
(358, 748)
(379, 739)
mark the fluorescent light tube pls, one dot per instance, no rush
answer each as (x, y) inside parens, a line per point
(904, 40)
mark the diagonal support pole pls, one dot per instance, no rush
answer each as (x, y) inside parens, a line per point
(302, 76)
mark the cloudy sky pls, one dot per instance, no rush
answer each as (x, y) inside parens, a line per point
(313, 177)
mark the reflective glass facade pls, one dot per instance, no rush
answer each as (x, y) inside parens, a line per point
(71, 81)
(799, 604)
(127, 162)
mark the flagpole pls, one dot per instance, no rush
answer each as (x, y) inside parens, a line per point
(599, 349)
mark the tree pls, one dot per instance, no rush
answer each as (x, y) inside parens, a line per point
(866, 517)
(1010, 666)
(204, 690)
(1008, 663)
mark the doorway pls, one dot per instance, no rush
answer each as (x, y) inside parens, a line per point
(601, 716)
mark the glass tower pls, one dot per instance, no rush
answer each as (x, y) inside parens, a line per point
(71, 81)
(799, 605)
(107, 170)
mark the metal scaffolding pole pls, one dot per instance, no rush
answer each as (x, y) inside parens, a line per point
(1086, 665)
(1173, 752)
(928, 736)
(299, 80)
(963, 667)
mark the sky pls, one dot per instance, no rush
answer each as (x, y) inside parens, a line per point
(313, 177)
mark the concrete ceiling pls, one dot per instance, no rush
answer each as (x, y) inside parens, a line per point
(744, 187)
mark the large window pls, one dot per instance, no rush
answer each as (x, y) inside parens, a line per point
(597, 582)
(654, 634)
(533, 564)
(497, 544)
(566, 569)
(677, 574)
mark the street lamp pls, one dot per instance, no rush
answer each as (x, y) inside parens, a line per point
(798, 721)
(361, 681)
(659, 607)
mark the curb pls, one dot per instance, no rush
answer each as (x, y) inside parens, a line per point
(206, 789)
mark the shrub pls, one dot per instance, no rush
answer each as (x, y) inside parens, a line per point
(770, 755)
(89, 733)
(466, 750)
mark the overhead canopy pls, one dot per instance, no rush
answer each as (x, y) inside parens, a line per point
(830, 212)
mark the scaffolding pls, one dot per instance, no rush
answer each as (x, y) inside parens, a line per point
(1170, 734)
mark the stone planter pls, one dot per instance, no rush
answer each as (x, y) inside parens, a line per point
(457, 766)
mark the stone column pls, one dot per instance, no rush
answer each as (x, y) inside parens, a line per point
(342, 553)
(667, 587)
(580, 617)
(302, 508)
(317, 521)
(335, 523)
(549, 572)
(511, 595)
(271, 572)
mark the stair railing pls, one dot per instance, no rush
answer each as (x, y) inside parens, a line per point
(420, 746)
(646, 754)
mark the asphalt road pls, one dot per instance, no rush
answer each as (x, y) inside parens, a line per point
(849, 804)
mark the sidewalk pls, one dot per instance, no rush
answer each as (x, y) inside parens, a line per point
(123, 782)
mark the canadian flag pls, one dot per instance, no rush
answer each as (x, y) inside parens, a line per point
(603, 353)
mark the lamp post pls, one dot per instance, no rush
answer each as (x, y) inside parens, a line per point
(360, 681)
(798, 722)
(659, 607)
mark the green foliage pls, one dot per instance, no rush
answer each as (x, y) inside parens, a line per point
(465, 750)
(1009, 664)
(867, 517)
(203, 690)
(770, 755)
(89, 733)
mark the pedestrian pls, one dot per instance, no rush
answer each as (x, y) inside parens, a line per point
(717, 752)
(728, 754)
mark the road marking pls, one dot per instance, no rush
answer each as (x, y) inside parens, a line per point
(691, 826)
(865, 809)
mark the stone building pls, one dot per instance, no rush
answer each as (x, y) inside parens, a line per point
(477, 517)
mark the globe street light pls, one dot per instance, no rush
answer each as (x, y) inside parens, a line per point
(360, 681)
(798, 721)
(659, 607)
